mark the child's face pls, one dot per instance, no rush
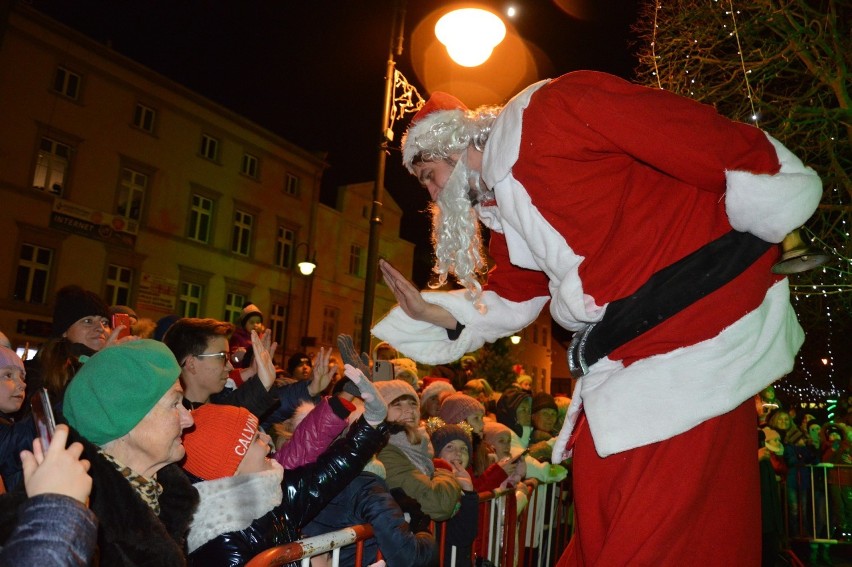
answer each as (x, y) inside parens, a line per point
(11, 389)
(476, 422)
(455, 452)
(503, 445)
(403, 410)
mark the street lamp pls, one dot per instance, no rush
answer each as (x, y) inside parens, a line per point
(470, 35)
(306, 268)
(515, 339)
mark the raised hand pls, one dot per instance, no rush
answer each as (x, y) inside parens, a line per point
(375, 408)
(321, 374)
(411, 301)
(264, 350)
(350, 355)
(59, 471)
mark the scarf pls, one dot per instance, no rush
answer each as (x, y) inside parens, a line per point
(148, 489)
(232, 503)
(417, 454)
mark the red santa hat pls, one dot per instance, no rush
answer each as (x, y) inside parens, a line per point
(440, 108)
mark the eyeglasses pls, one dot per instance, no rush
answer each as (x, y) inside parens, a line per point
(233, 357)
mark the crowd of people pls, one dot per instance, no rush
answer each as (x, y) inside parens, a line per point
(806, 477)
(198, 449)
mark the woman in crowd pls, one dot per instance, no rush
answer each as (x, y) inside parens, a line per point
(81, 327)
(408, 456)
(544, 413)
(248, 502)
(124, 407)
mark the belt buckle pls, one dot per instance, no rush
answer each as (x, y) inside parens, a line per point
(576, 359)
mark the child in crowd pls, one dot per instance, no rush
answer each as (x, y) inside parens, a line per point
(14, 437)
(453, 447)
(248, 503)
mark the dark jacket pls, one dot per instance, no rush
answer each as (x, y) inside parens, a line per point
(461, 530)
(306, 491)
(14, 438)
(366, 500)
(52, 530)
(129, 534)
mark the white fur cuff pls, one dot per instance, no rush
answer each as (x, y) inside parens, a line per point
(770, 206)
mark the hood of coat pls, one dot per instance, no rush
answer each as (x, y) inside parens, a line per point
(507, 406)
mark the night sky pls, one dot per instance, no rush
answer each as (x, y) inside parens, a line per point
(312, 71)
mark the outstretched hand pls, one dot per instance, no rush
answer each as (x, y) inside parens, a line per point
(264, 350)
(321, 374)
(375, 408)
(411, 301)
(350, 355)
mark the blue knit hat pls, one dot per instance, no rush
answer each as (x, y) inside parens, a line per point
(117, 387)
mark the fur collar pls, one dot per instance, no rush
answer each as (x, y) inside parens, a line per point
(232, 503)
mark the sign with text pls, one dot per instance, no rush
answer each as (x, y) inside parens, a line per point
(156, 293)
(93, 224)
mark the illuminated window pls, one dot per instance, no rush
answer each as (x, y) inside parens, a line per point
(51, 166)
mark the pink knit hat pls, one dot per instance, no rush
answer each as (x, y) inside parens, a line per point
(435, 389)
(390, 390)
(456, 407)
(493, 429)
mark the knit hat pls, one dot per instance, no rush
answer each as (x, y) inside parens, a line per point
(492, 430)
(456, 407)
(401, 365)
(295, 360)
(72, 304)
(390, 390)
(439, 109)
(434, 389)
(543, 400)
(8, 358)
(117, 387)
(450, 432)
(250, 310)
(222, 435)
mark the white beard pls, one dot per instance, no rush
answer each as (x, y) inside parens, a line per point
(456, 235)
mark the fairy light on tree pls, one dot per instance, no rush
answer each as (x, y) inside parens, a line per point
(784, 68)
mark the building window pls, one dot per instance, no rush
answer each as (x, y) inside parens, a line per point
(33, 270)
(200, 218)
(354, 260)
(131, 194)
(118, 282)
(66, 83)
(249, 166)
(233, 307)
(330, 317)
(189, 300)
(143, 117)
(241, 235)
(284, 247)
(291, 185)
(277, 316)
(535, 334)
(544, 337)
(51, 166)
(209, 147)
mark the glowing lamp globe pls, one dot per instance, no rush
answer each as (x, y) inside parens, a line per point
(470, 35)
(307, 268)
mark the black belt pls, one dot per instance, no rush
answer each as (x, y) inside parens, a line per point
(666, 293)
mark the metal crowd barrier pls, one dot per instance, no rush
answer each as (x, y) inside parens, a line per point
(817, 504)
(533, 538)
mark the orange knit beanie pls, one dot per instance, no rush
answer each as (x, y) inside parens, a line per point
(215, 447)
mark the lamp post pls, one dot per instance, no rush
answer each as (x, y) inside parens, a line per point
(306, 268)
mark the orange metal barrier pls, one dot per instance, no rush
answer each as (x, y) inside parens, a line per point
(535, 537)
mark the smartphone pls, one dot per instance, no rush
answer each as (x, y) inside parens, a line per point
(121, 319)
(382, 371)
(45, 423)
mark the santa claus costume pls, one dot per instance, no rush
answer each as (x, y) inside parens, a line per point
(612, 196)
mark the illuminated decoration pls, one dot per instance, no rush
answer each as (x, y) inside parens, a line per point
(515, 339)
(470, 35)
(406, 100)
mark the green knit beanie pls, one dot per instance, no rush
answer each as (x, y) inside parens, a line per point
(117, 387)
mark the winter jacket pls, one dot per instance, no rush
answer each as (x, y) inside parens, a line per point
(252, 395)
(462, 530)
(315, 432)
(129, 534)
(306, 491)
(289, 395)
(438, 495)
(52, 530)
(14, 438)
(367, 500)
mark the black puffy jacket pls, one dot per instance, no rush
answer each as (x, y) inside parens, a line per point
(306, 491)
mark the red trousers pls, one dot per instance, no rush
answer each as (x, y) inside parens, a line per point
(693, 499)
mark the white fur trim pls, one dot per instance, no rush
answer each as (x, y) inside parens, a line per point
(410, 144)
(429, 344)
(233, 503)
(662, 396)
(770, 206)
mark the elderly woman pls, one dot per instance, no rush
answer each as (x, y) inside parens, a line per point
(124, 406)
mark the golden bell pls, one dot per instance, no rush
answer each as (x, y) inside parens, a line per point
(797, 257)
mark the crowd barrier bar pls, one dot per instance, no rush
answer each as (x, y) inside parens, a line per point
(502, 532)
